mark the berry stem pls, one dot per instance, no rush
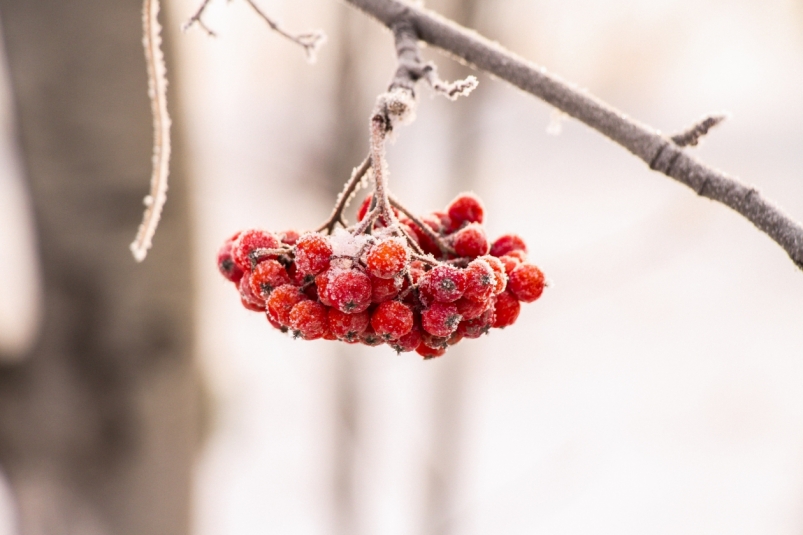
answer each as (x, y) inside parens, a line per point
(379, 128)
(426, 259)
(345, 196)
(442, 245)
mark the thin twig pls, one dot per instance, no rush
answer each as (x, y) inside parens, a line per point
(345, 197)
(692, 136)
(442, 245)
(425, 259)
(410, 240)
(157, 91)
(196, 19)
(658, 151)
(310, 41)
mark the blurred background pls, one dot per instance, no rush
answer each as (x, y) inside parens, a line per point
(657, 386)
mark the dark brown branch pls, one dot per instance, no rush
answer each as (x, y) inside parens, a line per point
(658, 151)
(692, 136)
(345, 196)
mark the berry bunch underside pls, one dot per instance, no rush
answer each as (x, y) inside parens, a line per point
(415, 284)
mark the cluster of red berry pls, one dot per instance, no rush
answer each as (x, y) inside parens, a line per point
(413, 288)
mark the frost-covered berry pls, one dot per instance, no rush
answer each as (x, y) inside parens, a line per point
(281, 302)
(474, 328)
(392, 320)
(470, 241)
(268, 275)
(506, 244)
(313, 252)
(443, 283)
(225, 262)
(247, 242)
(428, 352)
(499, 272)
(387, 258)
(440, 319)
(385, 289)
(527, 283)
(506, 310)
(348, 289)
(435, 342)
(308, 320)
(289, 237)
(255, 301)
(480, 281)
(469, 309)
(370, 338)
(465, 208)
(408, 342)
(275, 324)
(348, 327)
(509, 263)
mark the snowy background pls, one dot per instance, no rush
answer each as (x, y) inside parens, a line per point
(658, 384)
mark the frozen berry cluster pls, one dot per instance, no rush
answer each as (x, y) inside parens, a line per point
(413, 288)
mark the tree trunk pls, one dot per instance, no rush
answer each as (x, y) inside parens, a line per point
(98, 425)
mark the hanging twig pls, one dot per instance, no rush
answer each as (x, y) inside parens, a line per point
(157, 90)
(345, 196)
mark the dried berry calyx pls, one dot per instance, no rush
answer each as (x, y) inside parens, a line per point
(418, 284)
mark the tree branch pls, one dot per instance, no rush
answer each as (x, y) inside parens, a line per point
(648, 144)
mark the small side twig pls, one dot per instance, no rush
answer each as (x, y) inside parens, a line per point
(442, 245)
(196, 19)
(345, 197)
(310, 41)
(426, 259)
(157, 91)
(690, 137)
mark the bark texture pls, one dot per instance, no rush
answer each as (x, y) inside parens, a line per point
(98, 425)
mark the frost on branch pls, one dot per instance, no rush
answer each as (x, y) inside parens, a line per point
(157, 91)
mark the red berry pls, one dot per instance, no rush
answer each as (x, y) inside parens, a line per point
(370, 338)
(480, 281)
(328, 335)
(348, 327)
(392, 320)
(510, 263)
(507, 309)
(308, 320)
(519, 255)
(385, 289)
(469, 309)
(466, 208)
(275, 324)
(476, 327)
(440, 319)
(387, 258)
(443, 283)
(427, 352)
(321, 285)
(313, 252)
(508, 243)
(455, 338)
(470, 241)
(289, 237)
(366, 203)
(408, 342)
(281, 302)
(268, 274)
(435, 342)
(498, 268)
(225, 263)
(347, 289)
(256, 302)
(527, 283)
(247, 242)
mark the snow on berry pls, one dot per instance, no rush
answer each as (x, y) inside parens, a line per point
(370, 284)
(313, 253)
(247, 242)
(387, 258)
(392, 320)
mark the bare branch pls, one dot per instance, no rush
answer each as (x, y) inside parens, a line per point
(692, 136)
(157, 90)
(658, 151)
(310, 41)
(345, 197)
